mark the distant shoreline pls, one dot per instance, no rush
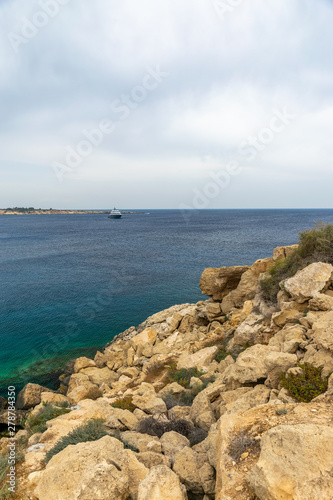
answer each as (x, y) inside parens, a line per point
(59, 212)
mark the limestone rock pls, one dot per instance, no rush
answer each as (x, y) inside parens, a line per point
(289, 339)
(248, 332)
(276, 363)
(186, 466)
(30, 396)
(172, 443)
(218, 282)
(247, 286)
(287, 316)
(151, 459)
(96, 471)
(83, 362)
(173, 388)
(309, 281)
(322, 331)
(321, 302)
(259, 395)
(147, 336)
(63, 425)
(150, 404)
(143, 442)
(320, 357)
(280, 253)
(163, 484)
(53, 397)
(202, 413)
(100, 376)
(295, 463)
(249, 367)
(200, 359)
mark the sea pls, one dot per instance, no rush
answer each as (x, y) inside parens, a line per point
(70, 283)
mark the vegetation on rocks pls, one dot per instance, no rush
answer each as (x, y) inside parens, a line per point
(158, 427)
(314, 245)
(37, 423)
(124, 404)
(242, 443)
(90, 431)
(183, 376)
(306, 385)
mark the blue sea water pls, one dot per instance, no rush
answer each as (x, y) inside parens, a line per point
(70, 283)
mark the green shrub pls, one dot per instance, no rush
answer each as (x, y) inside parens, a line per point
(186, 398)
(183, 376)
(221, 354)
(37, 423)
(90, 431)
(306, 385)
(124, 404)
(314, 245)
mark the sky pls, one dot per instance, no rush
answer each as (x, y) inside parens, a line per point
(166, 104)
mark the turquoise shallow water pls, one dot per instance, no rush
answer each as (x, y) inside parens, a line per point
(69, 283)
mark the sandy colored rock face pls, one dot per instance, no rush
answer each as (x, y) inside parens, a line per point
(309, 281)
(30, 396)
(161, 483)
(100, 376)
(247, 286)
(150, 404)
(186, 466)
(51, 397)
(280, 253)
(200, 359)
(83, 362)
(172, 443)
(249, 367)
(95, 472)
(295, 463)
(218, 282)
(322, 331)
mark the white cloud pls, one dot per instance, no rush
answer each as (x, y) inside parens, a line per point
(226, 76)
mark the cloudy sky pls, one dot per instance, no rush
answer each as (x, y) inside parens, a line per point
(166, 103)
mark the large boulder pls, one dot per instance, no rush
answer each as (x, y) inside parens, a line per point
(295, 463)
(309, 281)
(249, 367)
(218, 282)
(186, 466)
(322, 331)
(200, 359)
(99, 376)
(101, 469)
(30, 396)
(280, 253)
(247, 286)
(83, 362)
(173, 443)
(161, 483)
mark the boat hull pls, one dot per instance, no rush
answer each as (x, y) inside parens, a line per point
(114, 216)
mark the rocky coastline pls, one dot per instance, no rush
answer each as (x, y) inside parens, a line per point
(228, 398)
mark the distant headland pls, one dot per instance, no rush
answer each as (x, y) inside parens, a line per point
(53, 211)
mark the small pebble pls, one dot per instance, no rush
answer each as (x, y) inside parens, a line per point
(239, 488)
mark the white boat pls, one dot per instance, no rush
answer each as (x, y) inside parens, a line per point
(115, 214)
